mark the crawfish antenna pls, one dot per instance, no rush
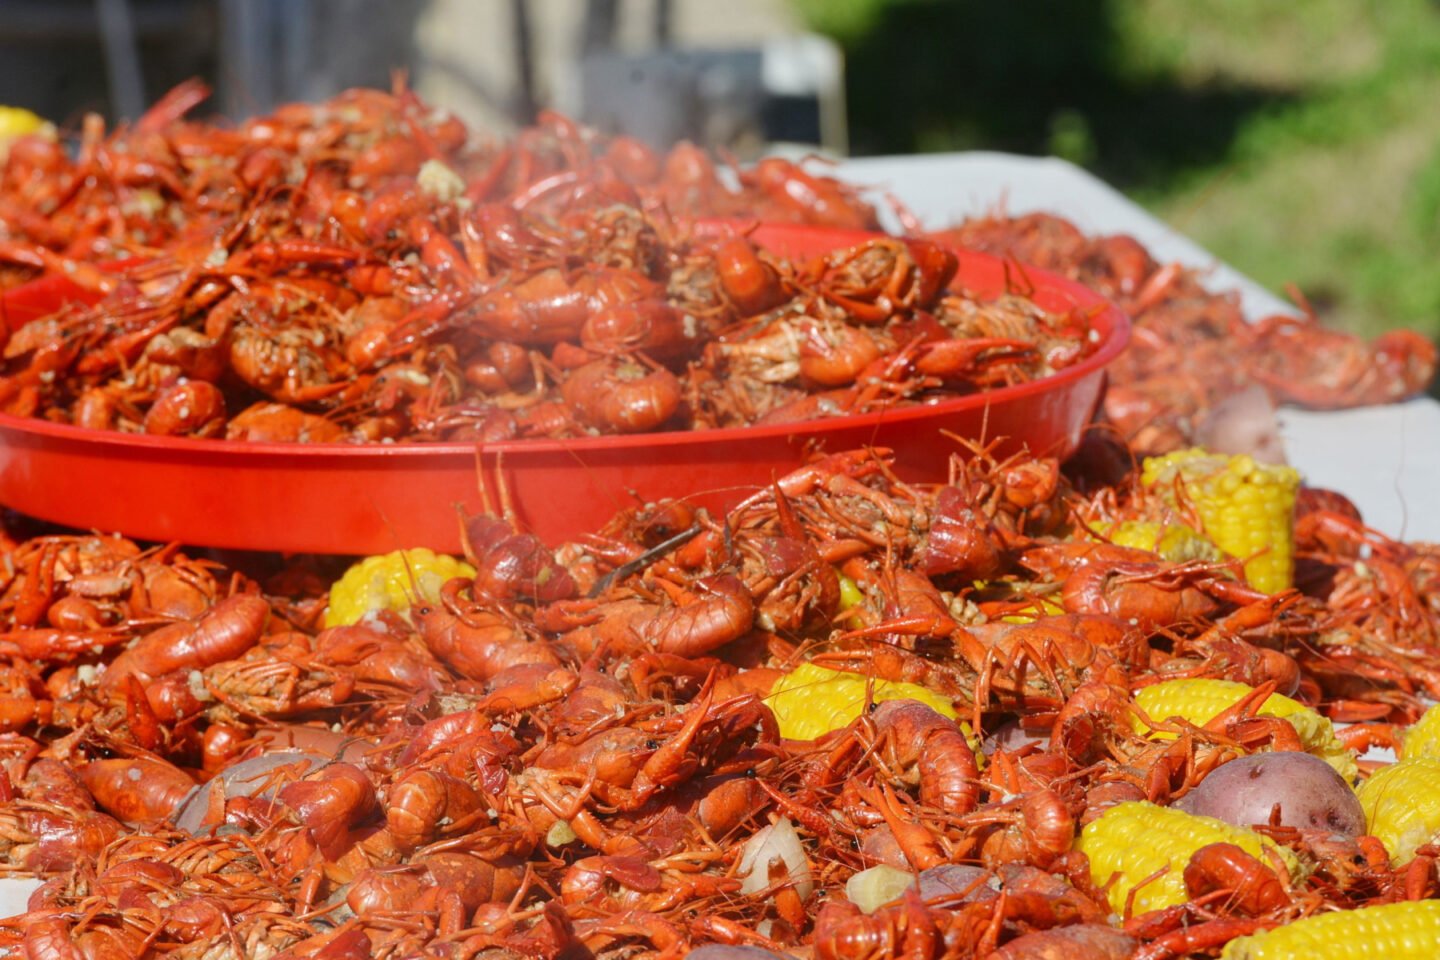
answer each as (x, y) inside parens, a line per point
(467, 546)
(1017, 278)
(634, 566)
(789, 525)
(486, 507)
(909, 222)
(502, 489)
(416, 597)
(1301, 301)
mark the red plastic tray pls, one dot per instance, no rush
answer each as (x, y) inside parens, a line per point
(343, 498)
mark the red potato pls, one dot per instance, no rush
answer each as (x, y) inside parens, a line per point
(1011, 735)
(1310, 795)
(1091, 941)
(951, 879)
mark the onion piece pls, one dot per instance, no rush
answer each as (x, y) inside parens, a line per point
(775, 844)
(877, 886)
(560, 833)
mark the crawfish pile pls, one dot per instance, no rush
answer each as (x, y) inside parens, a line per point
(573, 752)
(358, 271)
(1191, 348)
(367, 269)
(168, 182)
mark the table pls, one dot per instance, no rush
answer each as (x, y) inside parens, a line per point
(1386, 459)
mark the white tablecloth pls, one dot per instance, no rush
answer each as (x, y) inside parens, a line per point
(1386, 459)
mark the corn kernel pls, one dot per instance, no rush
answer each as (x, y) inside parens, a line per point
(391, 581)
(850, 595)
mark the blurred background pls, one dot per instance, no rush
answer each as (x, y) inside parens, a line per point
(1299, 142)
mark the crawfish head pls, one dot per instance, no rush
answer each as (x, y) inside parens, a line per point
(935, 267)
(752, 285)
(961, 540)
(513, 566)
(63, 839)
(522, 567)
(1253, 886)
(330, 802)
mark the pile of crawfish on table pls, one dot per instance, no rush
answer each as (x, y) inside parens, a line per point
(853, 717)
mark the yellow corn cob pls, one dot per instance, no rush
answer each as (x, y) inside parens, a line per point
(1391, 931)
(391, 581)
(1422, 738)
(17, 122)
(1201, 700)
(1244, 507)
(1174, 542)
(1132, 841)
(1402, 806)
(812, 700)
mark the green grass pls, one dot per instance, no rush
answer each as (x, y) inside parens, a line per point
(1299, 141)
(1339, 190)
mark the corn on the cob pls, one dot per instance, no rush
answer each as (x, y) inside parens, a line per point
(1391, 931)
(391, 581)
(1402, 806)
(1200, 700)
(1244, 508)
(1135, 840)
(812, 700)
(1174, 542)
(1422, 738)
(18, 122)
